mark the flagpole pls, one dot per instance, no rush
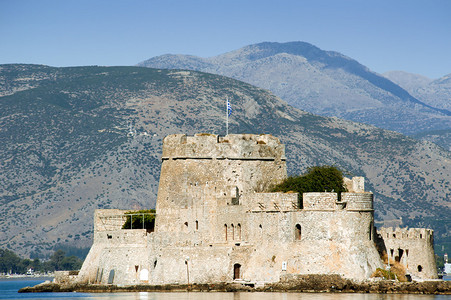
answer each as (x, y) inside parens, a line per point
(227, 116)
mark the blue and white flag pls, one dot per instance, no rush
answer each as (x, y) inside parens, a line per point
(229, 108)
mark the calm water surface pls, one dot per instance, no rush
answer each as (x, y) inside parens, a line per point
(9, 288)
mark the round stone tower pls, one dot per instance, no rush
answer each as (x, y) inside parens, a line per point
(202, 173)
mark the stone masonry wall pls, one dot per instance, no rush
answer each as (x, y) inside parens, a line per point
(413, 248)
(214, 223)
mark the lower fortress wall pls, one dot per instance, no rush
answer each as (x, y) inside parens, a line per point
(330, 242)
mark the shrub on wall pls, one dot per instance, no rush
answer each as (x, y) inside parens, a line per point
(140, 219)
(317, 179)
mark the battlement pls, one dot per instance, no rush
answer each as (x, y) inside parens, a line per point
(109, 219)
(329, 201)
(265, 202)
(232, 146)
(358, 201)
(406, 233)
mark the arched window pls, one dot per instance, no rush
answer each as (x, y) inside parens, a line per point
(239, 231)
(297, 232)
(197, 225)
(233, 232)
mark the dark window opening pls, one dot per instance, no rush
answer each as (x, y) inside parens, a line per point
(154, 264)
(420, 268)
(197, 225)
(391, 252)
(111, 277)
(236, 271)
(109, 236)
(225, 231)
(400, 253)
(136, 268)
(239, 231)
(233, 232)
(297, 232)
(421, 236)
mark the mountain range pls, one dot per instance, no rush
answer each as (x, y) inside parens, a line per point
(330, 84)
(79, 138)
(436, 93)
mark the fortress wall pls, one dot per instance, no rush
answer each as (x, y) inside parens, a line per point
(320, 201)
(413, 248)
(199, 264)
(235, 146)
(330, 242)
(212, 172)
(270, 201)
(109, 219)
(114, 249)
(358, 201)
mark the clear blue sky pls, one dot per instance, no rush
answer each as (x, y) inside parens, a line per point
(384, 35)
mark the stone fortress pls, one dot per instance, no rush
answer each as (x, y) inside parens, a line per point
(215, 224)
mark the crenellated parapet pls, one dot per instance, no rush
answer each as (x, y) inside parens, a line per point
(390, 233)
(358, 201)
(320, 201)
(270, 202)
(329, 201)
(232, 146)
(109, 219)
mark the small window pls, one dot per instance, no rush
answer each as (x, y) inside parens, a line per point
(238, 227)
(197, 225)
(225, 231)
(111, 277)
(236, 271)
(233, 232)
(297, 232)
(420, 268)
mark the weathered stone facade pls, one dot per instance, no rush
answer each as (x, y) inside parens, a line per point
(214, 223)
(413, 248)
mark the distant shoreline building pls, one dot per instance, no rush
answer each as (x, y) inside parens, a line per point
(214, 223)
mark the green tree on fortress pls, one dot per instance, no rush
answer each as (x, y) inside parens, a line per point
(317, 179)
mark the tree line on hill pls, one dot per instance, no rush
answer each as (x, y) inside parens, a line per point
(11, 263)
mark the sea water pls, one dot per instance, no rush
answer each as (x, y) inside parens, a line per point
(9, 290)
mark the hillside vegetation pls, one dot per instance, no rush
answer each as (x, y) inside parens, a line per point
(77, 139)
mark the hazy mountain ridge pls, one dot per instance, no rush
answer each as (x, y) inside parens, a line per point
(321, 82)
(436, 93)
(91, 138)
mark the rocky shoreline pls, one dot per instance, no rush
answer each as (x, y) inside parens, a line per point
(301, 283)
